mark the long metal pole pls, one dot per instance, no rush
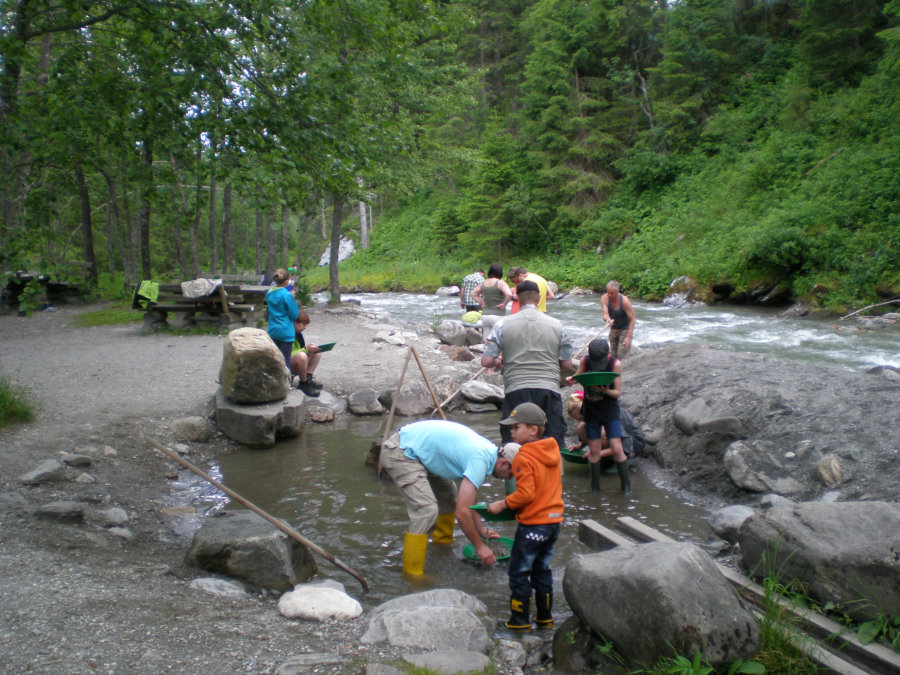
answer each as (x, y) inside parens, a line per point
(253, 507)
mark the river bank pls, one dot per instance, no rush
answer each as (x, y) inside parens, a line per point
(77, 598)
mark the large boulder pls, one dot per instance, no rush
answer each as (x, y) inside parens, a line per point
(441, 619)
(727, 521)
(685, 292)
(482, 392)
(452, 332)
(413, 400)
(260, 425)
(759, 466)
(365, 402)
(245, 545)
(653, 598)
(847, 553)
(253, 369)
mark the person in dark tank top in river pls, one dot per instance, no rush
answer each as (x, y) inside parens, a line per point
(618, 314)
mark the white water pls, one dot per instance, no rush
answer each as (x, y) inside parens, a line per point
(737, 328)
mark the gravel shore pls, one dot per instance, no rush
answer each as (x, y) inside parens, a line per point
(76, 599)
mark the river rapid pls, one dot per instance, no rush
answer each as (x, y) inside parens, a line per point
(319, 484)
(734, 327)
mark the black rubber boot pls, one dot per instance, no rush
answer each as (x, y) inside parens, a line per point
(521, 610)
(595, 476)
(543, 604)
(622, 468)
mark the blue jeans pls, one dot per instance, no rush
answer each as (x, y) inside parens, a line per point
(529, 562)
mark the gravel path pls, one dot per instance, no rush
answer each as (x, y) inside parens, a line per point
(75, 599)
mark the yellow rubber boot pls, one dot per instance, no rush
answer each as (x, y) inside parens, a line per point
(443, 530)
(414, 548)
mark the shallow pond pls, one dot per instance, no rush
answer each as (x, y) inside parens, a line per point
(320, 485)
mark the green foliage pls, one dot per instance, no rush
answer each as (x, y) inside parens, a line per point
(682, 665)
(30, 297)
(884, 629)
(779, 627)
(116, 314)
(15, 404)
(732, 142)
(112, 286)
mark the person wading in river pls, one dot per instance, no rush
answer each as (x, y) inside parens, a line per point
(425, 459)
(532, 349)
(600, 411)
(618, 314)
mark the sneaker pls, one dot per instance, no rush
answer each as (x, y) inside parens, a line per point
(309, 389)
(318, 385)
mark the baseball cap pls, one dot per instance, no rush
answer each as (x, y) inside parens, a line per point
(527, 287)
(509, 451)
(526, 413)
(598, 350)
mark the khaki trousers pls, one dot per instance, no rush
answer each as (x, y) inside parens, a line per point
(426, 495)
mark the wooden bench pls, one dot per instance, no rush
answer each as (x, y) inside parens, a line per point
(225, 306)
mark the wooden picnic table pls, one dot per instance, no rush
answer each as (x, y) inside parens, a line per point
(229, 305)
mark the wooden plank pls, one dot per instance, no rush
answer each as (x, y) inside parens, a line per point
(875, 656)
(818, 653)
(181, 307)
(600, 538)
(639, 531)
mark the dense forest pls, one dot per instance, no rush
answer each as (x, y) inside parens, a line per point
(753, 145)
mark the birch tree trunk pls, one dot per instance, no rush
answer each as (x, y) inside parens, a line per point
(334, 287)
(180, 253)
(128, 236)
(196, 272)
(260, 242)
(113, 224)
(271, 264)
(285, 234)
(87, 229)
(363, 220)
(230, 258)
(213, 229)
(144, 214)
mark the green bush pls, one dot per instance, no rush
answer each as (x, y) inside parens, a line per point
(15, 404)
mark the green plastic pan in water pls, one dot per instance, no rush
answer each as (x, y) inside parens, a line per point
(469, 550)
(598, 379)
(482, 510)
(574, 456)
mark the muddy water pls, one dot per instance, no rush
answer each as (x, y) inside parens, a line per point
(320, 485)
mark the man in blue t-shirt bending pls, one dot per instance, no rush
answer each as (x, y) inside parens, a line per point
(425, 459)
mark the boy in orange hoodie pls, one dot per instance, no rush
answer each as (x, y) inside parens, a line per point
(538, 503)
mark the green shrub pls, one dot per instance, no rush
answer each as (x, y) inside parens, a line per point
(15, 404)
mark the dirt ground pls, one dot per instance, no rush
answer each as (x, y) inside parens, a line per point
(76, 599)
